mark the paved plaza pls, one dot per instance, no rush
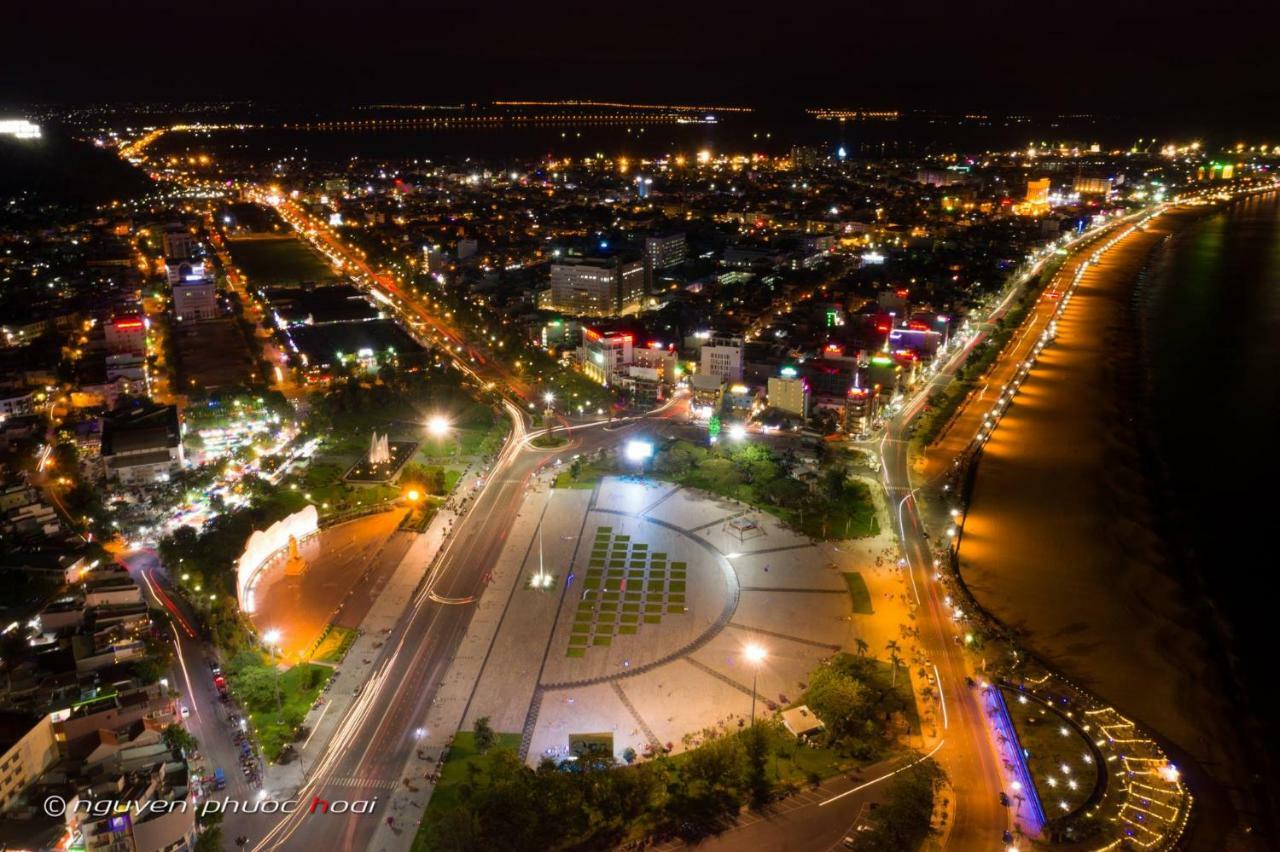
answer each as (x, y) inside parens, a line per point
(654, 592)
(347, 566)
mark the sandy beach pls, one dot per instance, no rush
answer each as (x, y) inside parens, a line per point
(1062, 544)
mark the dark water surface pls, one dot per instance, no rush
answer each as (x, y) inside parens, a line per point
(1209, 313)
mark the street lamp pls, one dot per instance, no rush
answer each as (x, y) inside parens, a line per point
(272, 640)
(738, 431)
(438, 426)
(755, 655)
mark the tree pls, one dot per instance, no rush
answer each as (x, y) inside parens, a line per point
(209, 839)
(862, 647)
(177, 737)
(843, 703)
(484, 735)
(894, 659)
(256, 685)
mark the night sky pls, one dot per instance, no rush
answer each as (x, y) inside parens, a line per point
(1207, 60)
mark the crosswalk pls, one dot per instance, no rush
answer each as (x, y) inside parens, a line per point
(362, 783)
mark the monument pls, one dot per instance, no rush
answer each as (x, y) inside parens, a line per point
(295, 566)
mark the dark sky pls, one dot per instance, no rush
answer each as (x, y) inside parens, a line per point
(1205, 59)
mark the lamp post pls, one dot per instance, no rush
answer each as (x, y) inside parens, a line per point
(272, 640)
(439, 427)
(755, 655)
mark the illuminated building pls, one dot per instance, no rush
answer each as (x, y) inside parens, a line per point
(789, 392)
(657, 357)
(604, 357)
(1038, 192)
(859, 410)
(665, 252)
(599, 287)
(195, 299)
(722, 357)
(885, 372)
(1093, 186)
(940, 177)
(126, 334)
(178, 269)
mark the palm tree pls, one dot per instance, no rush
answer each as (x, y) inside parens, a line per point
(861, 646)
(892, 647)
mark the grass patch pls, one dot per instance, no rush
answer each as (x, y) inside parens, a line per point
(335, 644)
(282, 261)
(859, 594)
(1049, 743)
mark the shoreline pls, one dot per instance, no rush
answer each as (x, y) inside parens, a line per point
(1082, 568)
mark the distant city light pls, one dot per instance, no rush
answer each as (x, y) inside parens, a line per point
(19, 128)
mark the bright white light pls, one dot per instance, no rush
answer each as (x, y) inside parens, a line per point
(19, 128)
(638, 451)
(548, 398)
(737, 431)
(754, 654)
(438, 426)
(271, 638)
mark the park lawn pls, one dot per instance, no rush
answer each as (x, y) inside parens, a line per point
(859, 594)
(267, 262)
(299, 688)
(1047, 749)
(547, 442)
(453, 775)
(334, 646)
(589, 475)
(323, 482)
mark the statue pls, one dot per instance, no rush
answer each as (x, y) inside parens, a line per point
(295, 566)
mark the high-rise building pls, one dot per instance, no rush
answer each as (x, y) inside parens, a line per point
(789, 392)
(666, 251)
(722, 357)
(860, 409)
(1038, 192)
(599, 287)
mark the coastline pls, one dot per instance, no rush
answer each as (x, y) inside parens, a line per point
(1065, 543)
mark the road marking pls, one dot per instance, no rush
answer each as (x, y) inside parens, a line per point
(942, 699)
(867, 784)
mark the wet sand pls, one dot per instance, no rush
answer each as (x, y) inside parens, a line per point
(1061, 543)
